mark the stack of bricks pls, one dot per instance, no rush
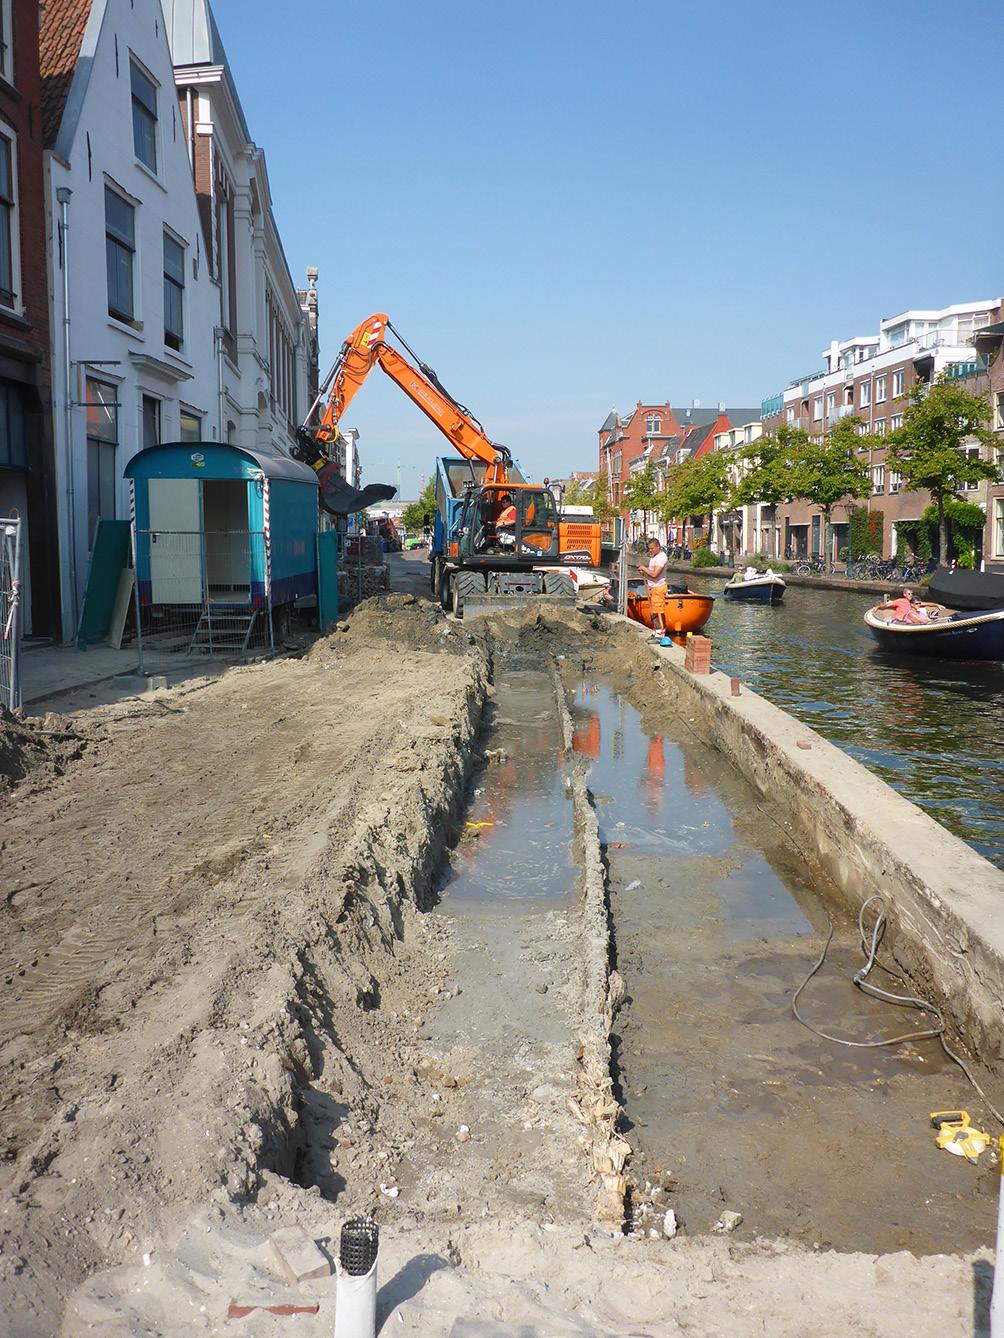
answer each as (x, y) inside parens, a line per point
(698, 655)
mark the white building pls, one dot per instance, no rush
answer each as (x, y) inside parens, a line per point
(266, 344)
(132, 289)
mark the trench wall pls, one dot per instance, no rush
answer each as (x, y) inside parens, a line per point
(945, 902)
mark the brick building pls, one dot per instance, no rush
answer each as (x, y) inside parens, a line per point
(869, 377)
(988, 344)
(27, 463)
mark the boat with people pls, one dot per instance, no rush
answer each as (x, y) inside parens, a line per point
(755, 587)
(950, 634)
(684, 611)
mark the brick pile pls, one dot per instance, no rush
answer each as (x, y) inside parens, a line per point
(698, 655)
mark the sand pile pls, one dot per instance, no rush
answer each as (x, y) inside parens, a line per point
(32, 751)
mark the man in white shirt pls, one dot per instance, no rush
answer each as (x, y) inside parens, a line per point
(655, 579)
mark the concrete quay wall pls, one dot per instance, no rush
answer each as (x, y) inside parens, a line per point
(945, 902)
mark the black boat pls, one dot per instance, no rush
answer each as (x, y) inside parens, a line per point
(949, 635)
(962, 589)
(759, 589)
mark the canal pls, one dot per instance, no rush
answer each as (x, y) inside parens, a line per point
(932, 729)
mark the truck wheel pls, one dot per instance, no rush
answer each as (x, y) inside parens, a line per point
(435, 573)
(465, 585)
(559, 583)
(445, 593)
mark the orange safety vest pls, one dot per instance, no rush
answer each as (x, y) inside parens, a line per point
(508, 516)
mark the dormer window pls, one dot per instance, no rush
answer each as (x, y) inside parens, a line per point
(653, 425)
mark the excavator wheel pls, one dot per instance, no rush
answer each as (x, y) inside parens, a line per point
(435, 575)
(466, 585)
(445, 592)
(559, 583)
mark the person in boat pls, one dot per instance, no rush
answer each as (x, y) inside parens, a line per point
(906, 609)
(655, 578)
(769, 571)
(750, 574)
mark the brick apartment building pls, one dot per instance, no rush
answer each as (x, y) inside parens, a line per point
(869, 377)
(659, 435)
(988, 344)
(27, 465)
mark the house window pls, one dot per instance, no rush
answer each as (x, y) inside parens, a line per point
(791, 413)
(817, 409)
(973, 453)
(191, 426)
(8, 223)
(895, 481)
(864, 394)
(13, 445)
(878, 478)
(144, 116)
(653, 424)
(880, 389)
(878, 427)
(831, 403)
(895, 422)
(862, 429)
(1000, 462)
(174, 293)
(999, 527)
(897, 384)
(7, 40)
(102, 443)
(120, 251)
(999, 410)
(151, 421)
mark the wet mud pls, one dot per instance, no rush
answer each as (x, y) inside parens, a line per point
(732, 1105)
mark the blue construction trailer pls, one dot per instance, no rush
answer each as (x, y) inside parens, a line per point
(220, 526)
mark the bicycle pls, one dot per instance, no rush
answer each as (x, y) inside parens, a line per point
(808, 566)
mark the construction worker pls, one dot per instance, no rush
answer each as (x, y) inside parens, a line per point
(655, 578)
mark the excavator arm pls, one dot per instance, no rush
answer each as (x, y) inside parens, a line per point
(367, 347)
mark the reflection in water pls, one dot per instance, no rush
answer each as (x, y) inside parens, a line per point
(933, 729)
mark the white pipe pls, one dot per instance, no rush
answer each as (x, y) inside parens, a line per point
(63, 194)
(355, 1304)
(221, 398)
(997, 1298)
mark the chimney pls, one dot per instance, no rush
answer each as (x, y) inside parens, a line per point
(695, 404)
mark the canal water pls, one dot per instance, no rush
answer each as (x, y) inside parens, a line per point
(933, 729)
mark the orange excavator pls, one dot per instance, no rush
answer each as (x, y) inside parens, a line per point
(498, 538)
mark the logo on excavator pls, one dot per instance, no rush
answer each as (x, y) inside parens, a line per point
(583, 555)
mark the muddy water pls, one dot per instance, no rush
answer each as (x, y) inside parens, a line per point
(729, 1101)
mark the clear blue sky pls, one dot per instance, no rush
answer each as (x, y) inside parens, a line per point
(568, 206)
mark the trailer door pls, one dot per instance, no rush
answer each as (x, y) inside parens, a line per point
(175, 541)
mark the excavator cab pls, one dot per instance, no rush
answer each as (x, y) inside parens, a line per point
(510, 522)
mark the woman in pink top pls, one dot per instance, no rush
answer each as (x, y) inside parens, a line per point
(906, 609)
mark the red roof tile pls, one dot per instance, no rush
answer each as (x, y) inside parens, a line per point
(60, 35)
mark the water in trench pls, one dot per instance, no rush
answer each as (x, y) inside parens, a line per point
(932, 729)
(728, 1100)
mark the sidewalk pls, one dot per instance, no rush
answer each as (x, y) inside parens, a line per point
(49, 671)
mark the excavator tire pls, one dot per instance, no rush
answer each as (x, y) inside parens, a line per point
(445, 591)
(435, 575)
(559, 583)
(466, 585)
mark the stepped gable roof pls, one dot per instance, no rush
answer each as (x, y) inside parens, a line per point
(61, 33)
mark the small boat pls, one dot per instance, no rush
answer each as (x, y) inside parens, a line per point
(584, 579)
(962, 589)
(951, 634)
(685, 610)
(759, 589)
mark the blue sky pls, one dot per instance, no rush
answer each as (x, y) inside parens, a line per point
(568, 206)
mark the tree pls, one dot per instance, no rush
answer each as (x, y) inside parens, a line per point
(696, 486)
(603, 509)
(929, 450)
(790, 464)
(416, 515)
(641, 492)
(576, 494)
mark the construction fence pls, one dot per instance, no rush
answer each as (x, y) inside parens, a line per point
(202, 592)
(10, 611)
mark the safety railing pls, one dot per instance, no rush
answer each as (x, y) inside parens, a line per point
(202, 592)
(10, 612)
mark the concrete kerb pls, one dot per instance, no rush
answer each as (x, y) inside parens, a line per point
(943, 898)
(595, 1105)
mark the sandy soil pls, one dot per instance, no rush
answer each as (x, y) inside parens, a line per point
(232, 1004)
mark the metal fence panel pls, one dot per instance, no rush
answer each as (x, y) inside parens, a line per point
(203, 592)
(10, 612)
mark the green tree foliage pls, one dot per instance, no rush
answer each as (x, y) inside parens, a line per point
(696, 486)
(576, 495)
(790, 464)
(603, 508)
(418, 514)
(866, 531)
(965, 521)
(928, 451)
(641, 492)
